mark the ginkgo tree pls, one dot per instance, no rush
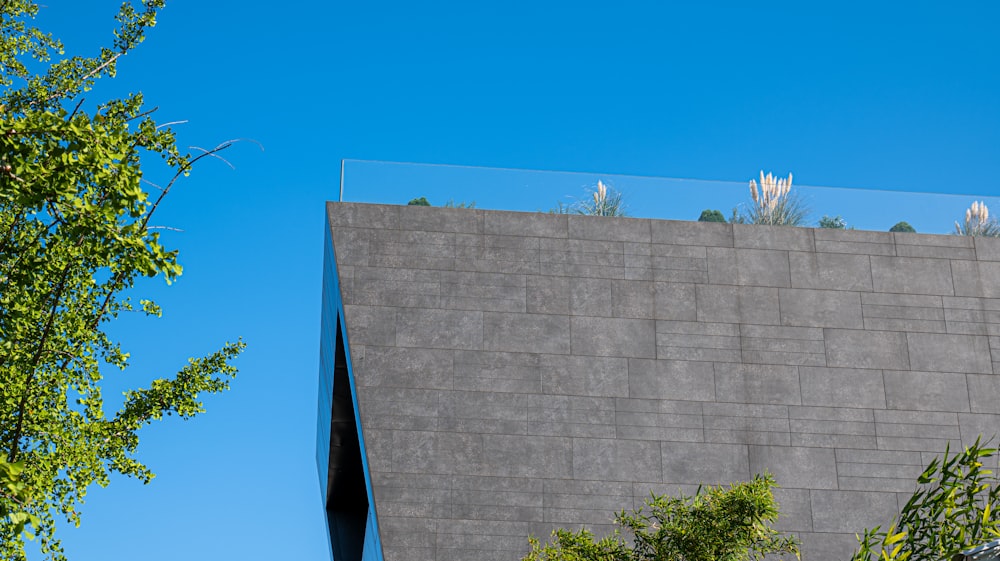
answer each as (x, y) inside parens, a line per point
(75, 236)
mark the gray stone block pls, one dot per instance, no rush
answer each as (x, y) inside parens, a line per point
(722, 266)
(590, 297)
(762, 267)
(832, 427)
(660, 428)
(397, 408)
(938, 352)
(671, 380)
(413, 495)
(854, 241)
(537, 456)
(746, 424)
(745, 436)
(940, 247)
(633, 299)
(754, 383)
(820, 308)
(830, 271)
(903, 312)
(497, 372)
(409, 243)
(692, 233)
(587, 495)
(927, 391)
(656, 419)
(585, 376)
(668, 263)
(405, 368)
(492, 406)
(533, 333)
(547, 295)
(718, 303)
(598, 253)
(984, 393)
(429, 219)
(674, 301)
(825, 546)
(973, 425)
(712, 464)
(987, 249)
(848, 387)
(757, 236)
(912, 275)
(795, 510)
(571, 416)
(600, 228)
(526, 224)
(759, 305)
(378, 444)
(822, 440)
(972, 316)
(441, 329)
(850, 348)
(370, 325)
(794, 346)
(966, 278)
(409, 532)
(616, 460)
(351, 245)
(436, 452)
(630, 338)
(796, 468)
(509, 253)
(696, 341)
(989, 277)
(851, 511)
(932, 240)
(382, 217)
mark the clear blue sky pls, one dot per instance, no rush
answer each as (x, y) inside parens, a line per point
(897, 95)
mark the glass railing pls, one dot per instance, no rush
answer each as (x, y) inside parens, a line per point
(644, 197)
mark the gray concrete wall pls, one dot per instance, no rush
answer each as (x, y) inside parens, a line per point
(519, 372)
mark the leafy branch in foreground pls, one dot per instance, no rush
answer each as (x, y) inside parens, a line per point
(716, 524)
(74, 239)
(954, 508)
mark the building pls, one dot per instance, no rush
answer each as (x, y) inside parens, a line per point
(491, 375)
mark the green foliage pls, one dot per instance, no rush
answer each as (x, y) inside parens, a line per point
(709, 215)
(601, 201)
(978, 223)
(452, 204)
(833, 222)
(420, 201)
(953, 509)
(74, 237)
(716, 524)
(902, 227)
(774, 204)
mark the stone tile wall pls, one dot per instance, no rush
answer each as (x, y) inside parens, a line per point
(519, 372)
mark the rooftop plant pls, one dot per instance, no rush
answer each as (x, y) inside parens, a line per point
(603, 201)
(978, 223)
(833, 222)
(772, 203)
(709, 215)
